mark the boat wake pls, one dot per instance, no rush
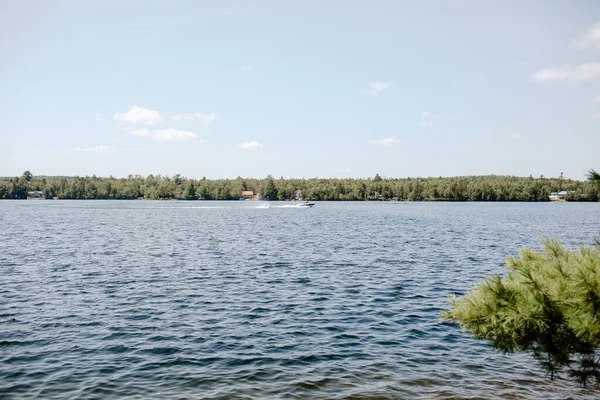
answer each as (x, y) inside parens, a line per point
(291, 206)
(262, 206)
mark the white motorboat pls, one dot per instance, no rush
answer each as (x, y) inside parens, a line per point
(305, 203)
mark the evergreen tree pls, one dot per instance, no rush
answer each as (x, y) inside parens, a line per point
(190, 192)
(594, 176)
(547, 305)
(270, 190)
(28, 176)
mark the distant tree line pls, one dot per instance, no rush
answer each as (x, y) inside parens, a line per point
(155, 187)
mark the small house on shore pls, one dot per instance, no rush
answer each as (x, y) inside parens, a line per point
(376, 196)
(559, 196)
(247, 194)
(35, 195)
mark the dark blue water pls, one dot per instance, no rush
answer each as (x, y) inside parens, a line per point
(107, 299)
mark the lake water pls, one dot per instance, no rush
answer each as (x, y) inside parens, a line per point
(174, 299)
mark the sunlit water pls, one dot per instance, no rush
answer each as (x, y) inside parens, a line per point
(106, 299)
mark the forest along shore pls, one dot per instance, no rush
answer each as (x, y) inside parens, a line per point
(159, 187)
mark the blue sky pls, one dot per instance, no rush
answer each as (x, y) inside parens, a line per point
(300, 89)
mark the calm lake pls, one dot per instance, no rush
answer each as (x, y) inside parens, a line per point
(175, 299)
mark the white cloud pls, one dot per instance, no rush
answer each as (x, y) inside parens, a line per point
(206, 118)
(173, 135)
(246, 68)
(427, 119)
(184, 117)
(568, 73)
(99, 117)
(596, 99)
(513, 136)
(374, 88)
(139, 115)
(591, 38)
(165, 135)
(596, 116)
(384, 142)
(97, 149)
(250, 146)
(141, 133)
(455, 117)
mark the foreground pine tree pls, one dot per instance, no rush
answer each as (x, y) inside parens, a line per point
(548, 304)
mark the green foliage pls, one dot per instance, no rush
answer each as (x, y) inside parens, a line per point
(190, 191)
(28, 176)
(270, 190)
(468, 188)
(548, 305)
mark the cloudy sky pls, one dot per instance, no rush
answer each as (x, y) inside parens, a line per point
(300, 88)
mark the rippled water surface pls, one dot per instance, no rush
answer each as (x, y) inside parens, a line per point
(106, 299)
